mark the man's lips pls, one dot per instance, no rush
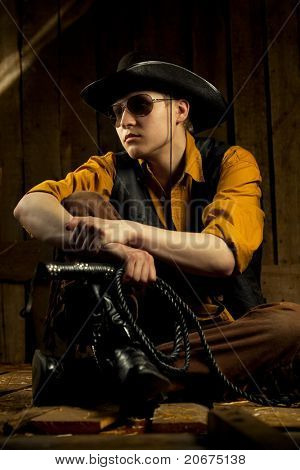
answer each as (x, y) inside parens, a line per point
(131, 136)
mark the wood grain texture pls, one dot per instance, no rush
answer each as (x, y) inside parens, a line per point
(77, 42)
(277, 417)
(285, 90)
(74, 420)
(250, 114)
(18, 260)
(40, 92)
(16, 408)
(108, 50)
(6, 367)
(227, 425)
(281, 283)
(12, 328)
(15, 380)
(11, 158)
(180, 417)
(209, 50)
(100, 442)
(16, 401)
(40, 95)
(12, 338)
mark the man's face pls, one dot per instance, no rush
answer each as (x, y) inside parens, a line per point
(145, 136)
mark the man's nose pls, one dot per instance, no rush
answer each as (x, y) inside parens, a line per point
(127, 118)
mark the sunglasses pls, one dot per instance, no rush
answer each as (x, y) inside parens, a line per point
(138, 105)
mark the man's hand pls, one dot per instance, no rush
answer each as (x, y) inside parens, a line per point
(139, 264)
(92, 233)
(109, 237)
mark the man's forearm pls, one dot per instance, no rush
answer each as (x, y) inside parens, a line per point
(198, 253)
(44, 218)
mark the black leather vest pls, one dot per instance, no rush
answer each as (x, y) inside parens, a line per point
(130, 197)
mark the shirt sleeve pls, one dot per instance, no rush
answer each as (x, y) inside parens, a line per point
(235, 214)
(96, 175)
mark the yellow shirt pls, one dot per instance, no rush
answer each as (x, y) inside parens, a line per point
(234, 214)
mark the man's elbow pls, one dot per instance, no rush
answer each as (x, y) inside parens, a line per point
(223, 260)
(23, 208)
(19, 210)
(228, 269)
(226, 264)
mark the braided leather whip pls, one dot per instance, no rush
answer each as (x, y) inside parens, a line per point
(94, 271)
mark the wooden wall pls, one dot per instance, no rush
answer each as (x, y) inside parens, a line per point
(50, 50)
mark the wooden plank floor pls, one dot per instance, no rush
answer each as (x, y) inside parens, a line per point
(172, 426)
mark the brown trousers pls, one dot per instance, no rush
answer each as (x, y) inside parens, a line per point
(264, 341)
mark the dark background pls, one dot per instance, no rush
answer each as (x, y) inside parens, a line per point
(244, 48)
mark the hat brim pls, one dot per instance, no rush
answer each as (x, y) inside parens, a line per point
(208, 107)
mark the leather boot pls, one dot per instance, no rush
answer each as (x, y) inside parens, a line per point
(139, 378)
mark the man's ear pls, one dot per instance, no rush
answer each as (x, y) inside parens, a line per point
(182, 110)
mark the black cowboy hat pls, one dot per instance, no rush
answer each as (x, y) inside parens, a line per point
(136, 73)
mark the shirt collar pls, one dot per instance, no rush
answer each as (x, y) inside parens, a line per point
(193, 160)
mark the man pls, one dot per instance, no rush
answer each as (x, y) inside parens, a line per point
(189, 209)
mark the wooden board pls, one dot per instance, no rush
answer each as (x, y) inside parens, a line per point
(15, 380)
(77, 42)
(180, 417)
(14, 409)
(285, 90)
(18, 260)
(276, 417)
(132, 427)
(164, 32)
(16, 421)
(5, 368)
(11, 155)
(235, 428)
(74, 420)
(17, 412)
(12, 326)
(109, 50)
(208, 29)
(281, 283)
(12, 333)
(40, 93)
(250, 106)
(141, 442)
(40, 89)
(16, 401)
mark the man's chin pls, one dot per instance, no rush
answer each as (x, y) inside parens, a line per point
(135, 154)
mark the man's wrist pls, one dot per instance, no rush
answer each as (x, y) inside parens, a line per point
(135, 234)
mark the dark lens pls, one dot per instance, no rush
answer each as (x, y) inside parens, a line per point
(117, 110)
(140, 105)
(111, 115)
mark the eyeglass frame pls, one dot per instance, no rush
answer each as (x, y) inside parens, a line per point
(123, 106)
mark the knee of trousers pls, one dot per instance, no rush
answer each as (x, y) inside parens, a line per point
(88, 203)
(284, 326)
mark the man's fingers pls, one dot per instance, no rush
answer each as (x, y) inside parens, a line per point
(74, 222)
(137, 270)
(152, 271)
(84, 237)
(139, 267)
(74, 238)
(145, 272)
(129, 269)
(77, 220)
